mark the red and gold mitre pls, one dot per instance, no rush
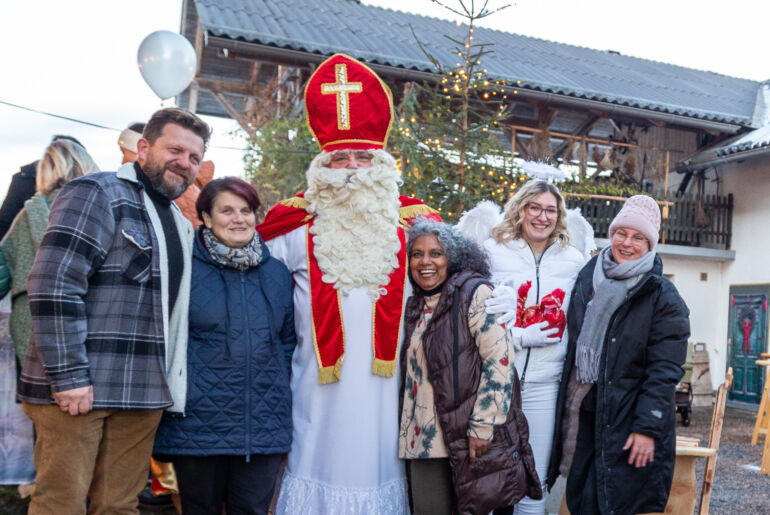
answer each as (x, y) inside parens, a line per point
(348, 106)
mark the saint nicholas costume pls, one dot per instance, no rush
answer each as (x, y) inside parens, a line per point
(344, 456)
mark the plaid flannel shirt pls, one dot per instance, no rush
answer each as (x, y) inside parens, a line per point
(95, 298)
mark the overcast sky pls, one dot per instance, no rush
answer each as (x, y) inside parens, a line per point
(78, 58)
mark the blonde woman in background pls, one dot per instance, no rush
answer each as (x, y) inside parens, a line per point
(531, 245)
(62, 161)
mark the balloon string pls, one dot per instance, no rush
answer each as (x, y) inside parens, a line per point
(120, 130)
(60, 116)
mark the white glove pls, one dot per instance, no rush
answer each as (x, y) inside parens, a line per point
(503, 300)
(535, 335)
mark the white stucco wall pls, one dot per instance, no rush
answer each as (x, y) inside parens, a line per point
(706, 305)
(749, 182)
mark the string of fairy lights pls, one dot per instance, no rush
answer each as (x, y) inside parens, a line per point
(467, 82)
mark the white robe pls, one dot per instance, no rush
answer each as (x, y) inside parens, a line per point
(344, 453)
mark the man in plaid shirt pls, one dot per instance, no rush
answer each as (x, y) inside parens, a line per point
(109, 292)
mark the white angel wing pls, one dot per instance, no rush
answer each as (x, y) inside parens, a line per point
(538, 170)
(581, 234)
(478, 222)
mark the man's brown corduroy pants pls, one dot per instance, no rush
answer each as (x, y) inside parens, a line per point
(103, 455)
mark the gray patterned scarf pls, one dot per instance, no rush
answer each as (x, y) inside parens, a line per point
(245, 257)
(611, 282)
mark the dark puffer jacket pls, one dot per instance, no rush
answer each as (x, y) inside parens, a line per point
(239, 361)
(644, 350)
(506, 472)
(21, 189)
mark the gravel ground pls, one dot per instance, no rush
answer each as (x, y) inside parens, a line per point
(739, 488)
(10, 504)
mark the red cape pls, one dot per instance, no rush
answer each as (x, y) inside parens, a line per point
(290, 213)
(326, 308)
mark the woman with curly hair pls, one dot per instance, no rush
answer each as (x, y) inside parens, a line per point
(534, 269)
(461, 427)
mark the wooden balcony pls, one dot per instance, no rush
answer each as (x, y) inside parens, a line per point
(687, 220)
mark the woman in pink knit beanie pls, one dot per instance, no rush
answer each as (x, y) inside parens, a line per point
(628, 329)
(635, 229)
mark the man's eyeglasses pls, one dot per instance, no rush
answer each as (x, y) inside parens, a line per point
(535, 210)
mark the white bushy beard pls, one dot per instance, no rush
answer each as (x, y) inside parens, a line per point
(355, 229)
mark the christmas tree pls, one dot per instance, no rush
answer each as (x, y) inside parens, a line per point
(452, 149)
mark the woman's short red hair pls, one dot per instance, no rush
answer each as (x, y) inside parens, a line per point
(234, 185)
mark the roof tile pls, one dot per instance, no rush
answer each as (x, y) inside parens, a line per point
(327, 26)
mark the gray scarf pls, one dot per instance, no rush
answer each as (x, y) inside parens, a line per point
(245, 257)
(611, 283)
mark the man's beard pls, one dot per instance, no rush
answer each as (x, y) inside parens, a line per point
(355, 233)
(155, 172)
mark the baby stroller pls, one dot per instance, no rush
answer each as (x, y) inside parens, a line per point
(683, 393)
(683, 400)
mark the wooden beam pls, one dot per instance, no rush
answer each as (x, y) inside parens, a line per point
(221, 86)
(616, 128)
(256, 66)
(198, 46)
(600, 141)
(583, 158)
(715, 435)
(192, 100)
(545, 116)
(627, 135)
(540, 144)
(762, 423)
(234, 114)
(581, 130)
(664, 211)
(279, 78)
(663, 203)
(518, 121)
(521, 148)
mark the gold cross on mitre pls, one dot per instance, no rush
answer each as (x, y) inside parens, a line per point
(342, 88)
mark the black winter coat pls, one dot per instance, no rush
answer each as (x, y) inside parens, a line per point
(644, 350)
(241, 341)
(21, 189)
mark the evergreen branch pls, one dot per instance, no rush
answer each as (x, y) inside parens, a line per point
(458, 13)
(427, 54)
(455, 41)
(484, 14)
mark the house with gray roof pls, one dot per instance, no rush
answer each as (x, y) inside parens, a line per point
(689, 131)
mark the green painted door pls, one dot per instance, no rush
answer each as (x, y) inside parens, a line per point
(746, 340)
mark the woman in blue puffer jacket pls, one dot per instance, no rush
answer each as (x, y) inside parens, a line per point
(227, 447)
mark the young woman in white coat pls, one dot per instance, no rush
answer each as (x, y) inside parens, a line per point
(531, 244)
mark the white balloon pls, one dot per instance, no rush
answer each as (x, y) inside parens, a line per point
(167, 62)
